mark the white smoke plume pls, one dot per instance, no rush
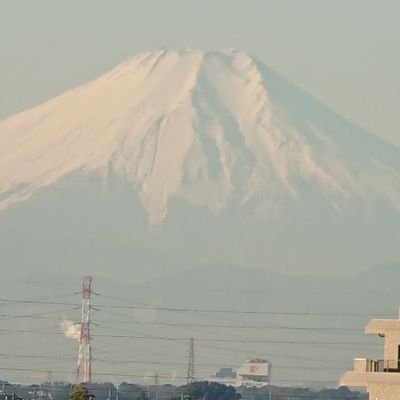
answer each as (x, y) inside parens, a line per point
(148, 313)
(71, 330)
(173, 376)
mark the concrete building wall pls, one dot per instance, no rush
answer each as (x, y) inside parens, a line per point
(381, 379)
(386, 391)
(390, 329)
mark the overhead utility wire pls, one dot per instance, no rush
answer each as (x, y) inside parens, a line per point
(194, 310)
(235, 340)
(184, 339)
(325, 361)
(147, 362)
(194, 325)
(147, 376)
(266, 327)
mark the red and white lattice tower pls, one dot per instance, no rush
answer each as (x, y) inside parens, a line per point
(84, 365)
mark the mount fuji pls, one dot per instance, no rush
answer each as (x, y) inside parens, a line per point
(182, 158)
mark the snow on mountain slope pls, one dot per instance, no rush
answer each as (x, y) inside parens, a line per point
(214, 129)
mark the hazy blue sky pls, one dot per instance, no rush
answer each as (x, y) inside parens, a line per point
(345, 52)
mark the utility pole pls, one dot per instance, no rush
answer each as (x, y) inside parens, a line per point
(84, 364)
(156, 379)
(190, 370)
(156, 384)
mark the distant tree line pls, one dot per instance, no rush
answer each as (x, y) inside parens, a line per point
(201, 390)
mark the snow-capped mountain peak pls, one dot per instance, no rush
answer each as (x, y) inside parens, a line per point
(217, 130)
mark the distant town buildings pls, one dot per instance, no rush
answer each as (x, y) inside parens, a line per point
(252, 373)
(381, 378)
(7, 396)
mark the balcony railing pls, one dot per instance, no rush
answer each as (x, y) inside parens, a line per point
(387, 366)
(366, 365)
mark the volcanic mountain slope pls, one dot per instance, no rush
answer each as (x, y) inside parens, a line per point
(180, 158)
(214, 129)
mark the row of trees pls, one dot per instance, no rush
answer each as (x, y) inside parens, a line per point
(193, 391)
(204, 390)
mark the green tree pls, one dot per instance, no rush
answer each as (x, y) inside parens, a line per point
(142, 396)
(204, 390)
(79, 392)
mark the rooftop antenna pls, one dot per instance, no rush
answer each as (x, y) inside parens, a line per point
(156, 379)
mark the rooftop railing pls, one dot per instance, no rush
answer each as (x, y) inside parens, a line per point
(387, 366)
(367, 365)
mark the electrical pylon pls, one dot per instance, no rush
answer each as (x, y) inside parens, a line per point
(190, 370)
(84, 365)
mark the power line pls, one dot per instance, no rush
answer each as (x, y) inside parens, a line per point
(197, 310)
(197, 325)
(161, 363)
(50, 298)
(122, 374)
(278, 356)
(182, 339)
(179, 339)
(202, 341)
(230, 326)
(97, 373)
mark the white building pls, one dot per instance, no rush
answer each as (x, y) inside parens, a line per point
(381, 378)
(252, 373)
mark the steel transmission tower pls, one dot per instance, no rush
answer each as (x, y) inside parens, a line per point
(84, 365)
(190, 370)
